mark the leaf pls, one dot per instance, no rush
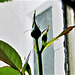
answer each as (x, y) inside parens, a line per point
(28, 69)
(10, 56)
(9, 71)
(4, 0)
(66, 31)
(26, 66)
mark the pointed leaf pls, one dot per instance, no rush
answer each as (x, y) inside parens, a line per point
(9, 71)
(26, 65)
(66, 31)
(28, 69)
(10, 56)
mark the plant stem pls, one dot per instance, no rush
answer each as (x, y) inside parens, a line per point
(39, 59)
(39, 63)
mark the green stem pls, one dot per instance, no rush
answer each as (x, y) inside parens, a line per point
(39, 63)
(39, 59)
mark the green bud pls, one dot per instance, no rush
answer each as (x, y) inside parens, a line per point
(36, 33)
(44, 39)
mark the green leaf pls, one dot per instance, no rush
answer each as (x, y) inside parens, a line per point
(4, 0)
(26, 66)
(28, 69)
(10, 56)
(9, 71)
(66, 31)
